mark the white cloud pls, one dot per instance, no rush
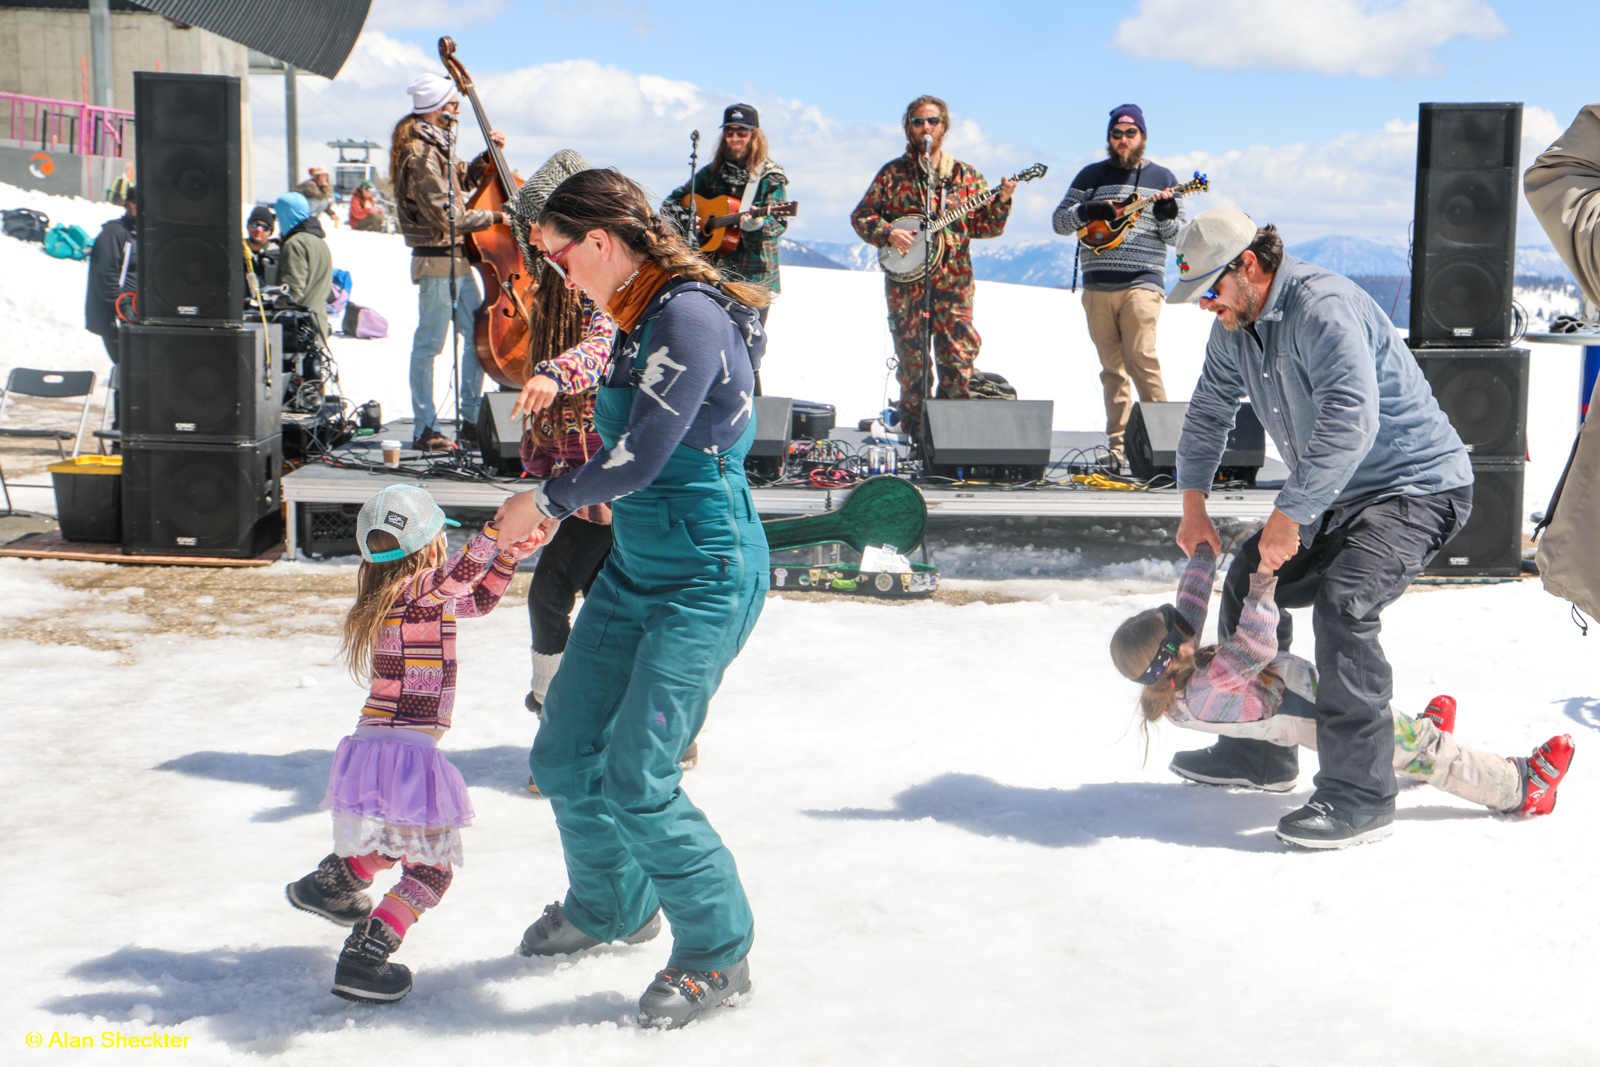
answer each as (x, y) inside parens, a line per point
(410, 14)
(1372, 38)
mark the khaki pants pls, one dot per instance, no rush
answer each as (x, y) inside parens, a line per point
(1123, 327)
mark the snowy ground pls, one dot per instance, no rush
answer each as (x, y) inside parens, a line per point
(954, 843)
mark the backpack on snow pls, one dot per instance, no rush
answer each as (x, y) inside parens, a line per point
(24, 224)
(68, 242)
(363, 322)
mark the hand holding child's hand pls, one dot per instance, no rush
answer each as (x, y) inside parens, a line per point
(1266, 568)
(541, 536)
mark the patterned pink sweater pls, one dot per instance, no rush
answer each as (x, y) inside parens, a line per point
(414, 657)
(1230, 688)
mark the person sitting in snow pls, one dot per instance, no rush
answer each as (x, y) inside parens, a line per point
(1245, 687)
(365, 214)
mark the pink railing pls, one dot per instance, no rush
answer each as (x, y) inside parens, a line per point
(62, 125)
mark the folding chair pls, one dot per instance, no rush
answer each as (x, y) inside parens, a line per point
(52, 385)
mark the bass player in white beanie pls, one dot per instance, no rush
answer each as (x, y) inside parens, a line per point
(419, 155)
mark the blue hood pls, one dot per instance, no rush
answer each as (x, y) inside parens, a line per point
(293, 209)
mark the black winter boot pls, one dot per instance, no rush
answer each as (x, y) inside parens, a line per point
(364, 973)
(1237, 761)
(332, 891)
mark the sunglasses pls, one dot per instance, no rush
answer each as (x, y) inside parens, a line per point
(1124, 132)
(555, 258)
(260, 226)
(1178, 632)
(1211, 293)
(920, 122)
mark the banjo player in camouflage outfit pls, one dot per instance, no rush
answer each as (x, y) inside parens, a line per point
(901, 189)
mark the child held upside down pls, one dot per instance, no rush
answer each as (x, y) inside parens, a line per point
(1246, 687)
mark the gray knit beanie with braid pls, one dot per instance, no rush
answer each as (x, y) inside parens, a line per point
(529, 201)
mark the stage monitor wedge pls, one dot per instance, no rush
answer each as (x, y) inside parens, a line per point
(208, 384)
(191, 264)
(1463, 259)
(990, 440)
(1151, 442)
(500, 435)
(769, 452)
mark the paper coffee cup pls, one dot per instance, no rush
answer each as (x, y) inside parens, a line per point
(391, 453)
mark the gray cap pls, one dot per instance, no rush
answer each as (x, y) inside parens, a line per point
(407, 512)
(528, 203)
(1207, 245)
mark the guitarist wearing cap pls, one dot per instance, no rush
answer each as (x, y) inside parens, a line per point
(1124, 283)
(900, 189)
(742, 171)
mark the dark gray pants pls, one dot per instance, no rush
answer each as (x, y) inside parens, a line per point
(1357, 565)
(566, 567)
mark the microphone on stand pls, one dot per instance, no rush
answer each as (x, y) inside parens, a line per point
(927, 144)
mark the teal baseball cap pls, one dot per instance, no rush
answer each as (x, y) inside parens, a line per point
(406, 511)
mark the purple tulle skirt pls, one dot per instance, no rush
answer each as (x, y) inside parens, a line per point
(393, 791)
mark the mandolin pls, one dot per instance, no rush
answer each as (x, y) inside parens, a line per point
(1103, 236)
(717, 218)
(500, 325)
(914, 262)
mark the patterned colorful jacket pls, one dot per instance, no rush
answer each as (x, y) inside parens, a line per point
(900, 189)
(568, 434)
(414, 656)
(756, 258)
(1231, 689)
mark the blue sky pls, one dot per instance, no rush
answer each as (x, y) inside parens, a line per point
(1301, 113)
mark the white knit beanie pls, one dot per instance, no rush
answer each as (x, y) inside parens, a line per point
(429, 92)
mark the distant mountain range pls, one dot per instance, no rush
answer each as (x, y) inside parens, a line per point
(1050, 263)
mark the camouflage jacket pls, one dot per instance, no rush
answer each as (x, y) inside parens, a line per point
(756, 258)
(900, 189)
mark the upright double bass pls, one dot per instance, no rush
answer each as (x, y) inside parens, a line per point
(500, 326)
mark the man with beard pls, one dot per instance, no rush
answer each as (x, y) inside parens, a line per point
(901, 188)
(1123, 286)
(1378, 482)
(740, 169)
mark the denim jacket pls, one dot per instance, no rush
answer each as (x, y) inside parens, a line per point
(1340, 393)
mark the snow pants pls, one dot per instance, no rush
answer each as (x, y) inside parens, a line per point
(1358, 564)
(672, 607)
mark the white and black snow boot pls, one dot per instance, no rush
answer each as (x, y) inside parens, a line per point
(364, 972)
(332, 891)
(678, 997)
(552, 935)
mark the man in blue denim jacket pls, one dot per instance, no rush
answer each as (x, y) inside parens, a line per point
(1378, 482)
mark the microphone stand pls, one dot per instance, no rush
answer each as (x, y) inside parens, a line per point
(925, 387)
(694, 168)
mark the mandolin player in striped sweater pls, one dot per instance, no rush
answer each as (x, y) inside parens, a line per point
(1124, 263)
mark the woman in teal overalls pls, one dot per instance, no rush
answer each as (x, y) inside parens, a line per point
(670, 610)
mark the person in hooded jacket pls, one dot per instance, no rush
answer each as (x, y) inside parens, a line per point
(305, 265)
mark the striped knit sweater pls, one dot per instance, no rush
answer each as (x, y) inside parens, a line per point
(414, 656)
(1230, 688)
(1140, 261)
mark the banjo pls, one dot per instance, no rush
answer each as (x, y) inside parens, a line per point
(913, 263)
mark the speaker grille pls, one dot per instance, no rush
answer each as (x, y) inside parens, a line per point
(1490, 545)
(195, 383)
(199, 500)
(1484, 394)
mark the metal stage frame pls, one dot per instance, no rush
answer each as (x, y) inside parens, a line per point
(316, 483)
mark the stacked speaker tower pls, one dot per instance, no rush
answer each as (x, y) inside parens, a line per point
(1463, 268)
(201, 432)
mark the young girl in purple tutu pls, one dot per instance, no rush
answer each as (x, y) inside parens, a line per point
(395, 798)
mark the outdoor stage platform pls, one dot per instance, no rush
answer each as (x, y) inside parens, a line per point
(318, 483)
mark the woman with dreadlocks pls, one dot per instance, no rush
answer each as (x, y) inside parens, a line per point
(570, 344)
(672, 607)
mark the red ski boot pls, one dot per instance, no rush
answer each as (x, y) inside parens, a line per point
(1442, 713)
(1542, 773)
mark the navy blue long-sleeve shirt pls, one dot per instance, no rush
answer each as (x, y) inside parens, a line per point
(696, 388)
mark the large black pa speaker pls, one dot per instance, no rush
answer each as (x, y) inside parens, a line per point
(1484, 394)
(181, 498)
(207, 384)
(1463, 258)
(990, 440)
(1490, 545)
(499, 435)
(1151, 442)
(770, 451)
(191, 264)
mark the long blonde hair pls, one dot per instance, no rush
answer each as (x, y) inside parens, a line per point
(605, 199)
(378, 585)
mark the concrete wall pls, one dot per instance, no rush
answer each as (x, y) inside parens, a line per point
(42, 54)
(59, 173)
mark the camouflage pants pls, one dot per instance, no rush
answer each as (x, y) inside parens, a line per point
(955, 347)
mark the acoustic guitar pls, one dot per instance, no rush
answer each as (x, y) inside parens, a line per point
(716, 218)
(915, 261)
(1104, 236)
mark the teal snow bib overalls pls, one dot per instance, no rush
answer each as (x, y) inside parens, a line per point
(672, 607)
